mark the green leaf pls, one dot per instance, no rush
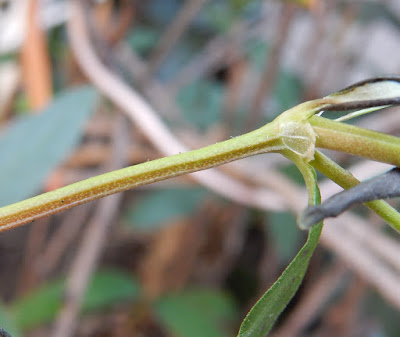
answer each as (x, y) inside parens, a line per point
(197, 313)
(201, 102)
(264, 313)
(35, 144)
(110, 287)
(160, 207)
(7, 322)
(43, 304)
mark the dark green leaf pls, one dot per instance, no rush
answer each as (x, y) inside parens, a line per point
(197, 313)
(43, 304)
(160, 207)
(264, 313)
(35, 144)
(110, 287)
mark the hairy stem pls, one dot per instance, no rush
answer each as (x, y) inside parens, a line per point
(259, 141)
(356, 141)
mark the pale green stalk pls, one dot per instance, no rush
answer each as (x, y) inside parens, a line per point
(346, 180)
(356, 141)
(294, 133)
(256, 142)
(289, 131)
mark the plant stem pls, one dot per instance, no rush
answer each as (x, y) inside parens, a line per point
(259, 141)
(356, 141)
(346, 180)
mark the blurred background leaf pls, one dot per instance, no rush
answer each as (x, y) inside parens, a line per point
(35, 145)
(197, 313)
(42, 305)
(158, 208)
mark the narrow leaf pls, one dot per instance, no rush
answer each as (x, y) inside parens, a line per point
(264, 313)
(34, 145)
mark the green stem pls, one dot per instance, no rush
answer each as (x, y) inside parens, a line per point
(346, 180)
(259, 141)
(309, 176)
(356, 141)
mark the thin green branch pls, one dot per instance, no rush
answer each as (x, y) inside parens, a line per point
(346, 180)
(259, 141)
(356, 141)
(295, 133)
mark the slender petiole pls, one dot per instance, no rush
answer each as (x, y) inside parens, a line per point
(356, 141)
(346, 180)
(385, 186)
